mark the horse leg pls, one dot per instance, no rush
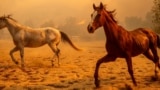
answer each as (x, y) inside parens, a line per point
(56, 51)
(11, 54)
(130, 69)
(22, 57)
(105, 59)
(156, 61)
(149, 55)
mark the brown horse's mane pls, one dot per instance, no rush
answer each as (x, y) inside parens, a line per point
(111, 13)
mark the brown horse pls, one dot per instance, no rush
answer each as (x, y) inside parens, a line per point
(24, 36)
(121, 43)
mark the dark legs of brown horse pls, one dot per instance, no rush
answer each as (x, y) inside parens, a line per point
(130, 69)
(105, 59)
(156, 61)
(154, 57)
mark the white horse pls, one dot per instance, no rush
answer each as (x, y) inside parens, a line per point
(24, 36)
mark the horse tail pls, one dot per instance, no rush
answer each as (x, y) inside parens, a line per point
(158, 41)
(65, 38)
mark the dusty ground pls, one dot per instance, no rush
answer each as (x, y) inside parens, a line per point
(75, 71)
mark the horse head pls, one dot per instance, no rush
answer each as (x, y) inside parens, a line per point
(3, 21)
(99, 17)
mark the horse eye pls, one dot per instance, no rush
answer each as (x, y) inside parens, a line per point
(98, 15)
(91, 15)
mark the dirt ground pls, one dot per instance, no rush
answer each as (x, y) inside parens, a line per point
(75, 71)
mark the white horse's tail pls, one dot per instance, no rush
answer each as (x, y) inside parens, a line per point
(65, 38)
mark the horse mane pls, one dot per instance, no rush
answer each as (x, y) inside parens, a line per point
(11, 20)
(111, 13)
(10, 17)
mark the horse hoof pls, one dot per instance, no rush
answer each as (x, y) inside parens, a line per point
(97, 83)
(52, 65)
(154, 78)
(129, 87)
(59, 65)
(16, 62)
(23, 69)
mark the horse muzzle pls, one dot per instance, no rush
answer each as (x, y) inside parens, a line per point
(90, 29)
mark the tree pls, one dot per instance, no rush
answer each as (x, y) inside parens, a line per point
(70, 26)
(136, 22)
(49, 23)
(156, 15)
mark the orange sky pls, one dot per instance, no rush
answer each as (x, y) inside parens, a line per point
(58, 10)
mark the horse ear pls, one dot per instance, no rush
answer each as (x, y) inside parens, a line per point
(101, 5)
(113, 11)
(8, 16)
(94, 7)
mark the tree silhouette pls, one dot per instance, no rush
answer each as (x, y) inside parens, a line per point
(49, 23)
(137, 22)
(156, 15)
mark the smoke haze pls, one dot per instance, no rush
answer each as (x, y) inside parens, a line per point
(36, 12)
(59, 10)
